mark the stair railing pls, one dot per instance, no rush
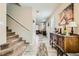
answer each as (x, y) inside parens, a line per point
(18, 23)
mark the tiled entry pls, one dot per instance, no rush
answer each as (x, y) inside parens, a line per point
(43, 43)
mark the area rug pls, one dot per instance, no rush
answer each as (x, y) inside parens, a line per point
(42, 51)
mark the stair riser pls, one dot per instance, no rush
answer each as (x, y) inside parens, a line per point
(25, 42)
(10, 34)
(4, 46)
(9, 30)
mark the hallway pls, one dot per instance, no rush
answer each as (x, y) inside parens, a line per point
(46, 50)
(39, 29)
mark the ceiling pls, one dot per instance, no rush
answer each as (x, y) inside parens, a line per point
(43, 10)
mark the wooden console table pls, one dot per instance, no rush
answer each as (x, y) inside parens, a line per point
(69, 44)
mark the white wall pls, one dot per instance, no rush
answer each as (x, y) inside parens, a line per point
(54, 19)
(52, 24)
(55, 15)
(48, 29)
(24, 16)
(58, 11)
(2, 23)
(76, 16)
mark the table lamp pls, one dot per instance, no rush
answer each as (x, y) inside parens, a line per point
(72, 25)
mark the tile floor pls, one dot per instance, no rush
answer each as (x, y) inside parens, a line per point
(32, 50)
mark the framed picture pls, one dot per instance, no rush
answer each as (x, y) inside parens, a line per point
(67, 15)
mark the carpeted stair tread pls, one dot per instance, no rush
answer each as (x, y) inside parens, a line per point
(20, 50)
(16, 45)
(12, 48)
(13, 36)
(5, 51)
(14, 41)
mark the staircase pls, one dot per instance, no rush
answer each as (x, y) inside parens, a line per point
(14, 46)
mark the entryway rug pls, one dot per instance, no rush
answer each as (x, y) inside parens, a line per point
(42, 51)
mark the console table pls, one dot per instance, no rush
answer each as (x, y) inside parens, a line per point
(69, 44)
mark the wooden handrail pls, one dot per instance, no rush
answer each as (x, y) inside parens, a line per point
(18, 23)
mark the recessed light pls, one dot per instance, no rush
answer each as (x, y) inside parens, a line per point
(37, 11)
